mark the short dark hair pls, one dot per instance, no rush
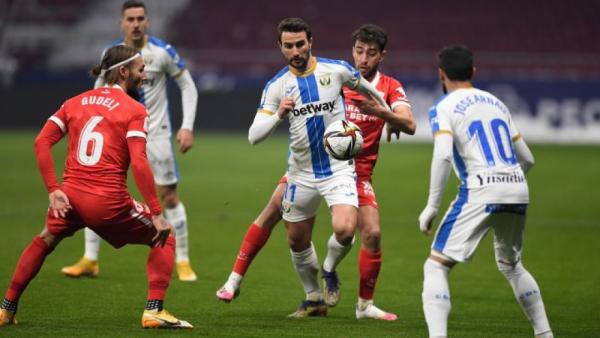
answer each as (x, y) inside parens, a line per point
(457, 62)
(294, 25)
(132, 4)
(371, 33)
(112, 56)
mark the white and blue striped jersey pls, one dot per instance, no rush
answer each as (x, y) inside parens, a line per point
(161, 60)
(319, 102)
(484, 158)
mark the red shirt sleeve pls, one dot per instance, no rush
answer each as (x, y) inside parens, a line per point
(142, 173)
(51, 133)
(396, 94)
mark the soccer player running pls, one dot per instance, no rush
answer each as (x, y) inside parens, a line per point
(368, 52)
(474, 133)
(161, 61)
(106, 131)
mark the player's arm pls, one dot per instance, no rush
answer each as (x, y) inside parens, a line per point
(524, 155)
(441, 165)
(272, 110)
(142, 174)
(189, 102)
(50, 134)
(400, 117)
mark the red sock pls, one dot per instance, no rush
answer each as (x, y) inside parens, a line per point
(368, 266)
(27, 267)
(255, 239)
(160, 267)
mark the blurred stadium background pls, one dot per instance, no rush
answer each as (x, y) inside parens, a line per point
(542, 58)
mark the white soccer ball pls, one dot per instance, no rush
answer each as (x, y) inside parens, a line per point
(343, 140)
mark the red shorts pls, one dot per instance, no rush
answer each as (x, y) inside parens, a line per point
(118, 222)
(366, 194)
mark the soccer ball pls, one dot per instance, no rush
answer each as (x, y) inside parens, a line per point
(343, 140)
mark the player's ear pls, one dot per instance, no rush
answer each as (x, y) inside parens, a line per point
(474, 71)
(441, 74)
(383, 52)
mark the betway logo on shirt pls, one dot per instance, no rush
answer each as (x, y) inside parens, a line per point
(313, 108)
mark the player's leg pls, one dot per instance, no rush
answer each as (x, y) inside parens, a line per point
(304, 258)
(509, 224)
(456, 239)
(175, 213)
(87, 266)
(257, 235)
(33, 257)
(137, 228)
(341, 196)
(163, 163)
(299, 207)
(369, 263)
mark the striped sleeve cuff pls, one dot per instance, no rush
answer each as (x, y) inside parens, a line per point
(58, 122)
(135, 133)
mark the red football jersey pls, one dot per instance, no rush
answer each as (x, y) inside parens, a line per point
(372, 126)
(98, 123)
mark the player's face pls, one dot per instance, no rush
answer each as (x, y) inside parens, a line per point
(367, 58)
(134, 24)
(136, 77)
(296, 49)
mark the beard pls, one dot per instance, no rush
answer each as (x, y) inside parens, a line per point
(133, 89)
(302, 63)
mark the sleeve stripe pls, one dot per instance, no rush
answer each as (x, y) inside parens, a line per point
(59, 122)
(179, 74)
(442, 131)
(517, 137)
(136, 133)
(264, 111)
(398, 103)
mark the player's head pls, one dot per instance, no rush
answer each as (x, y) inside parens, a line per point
(134, 20)
(295, 41)
(455, 65)
(369, 49)
(124, 66)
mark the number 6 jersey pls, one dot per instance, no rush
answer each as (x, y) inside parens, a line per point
(484, 157)
(98, 123)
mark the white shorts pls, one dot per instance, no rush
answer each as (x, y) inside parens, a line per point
(162, 161)
(466, 224)
(301, 198)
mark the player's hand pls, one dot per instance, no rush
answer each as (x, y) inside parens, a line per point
(285, 106)
(185, 139)
(392, 131)
(426, 219)
(59, 203)
(163, 230)
(369, 105)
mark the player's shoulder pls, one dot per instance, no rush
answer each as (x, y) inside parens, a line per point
(335, 63)
(161, 44)
(389, 81)
(278, 77)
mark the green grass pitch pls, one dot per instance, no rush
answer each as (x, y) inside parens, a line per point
(226, 182)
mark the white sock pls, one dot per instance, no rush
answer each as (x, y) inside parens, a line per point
(234, 281)
(92, 244)
(307, 266)
(436, 297)
(178, 218)
(528, 295)
(335, 253)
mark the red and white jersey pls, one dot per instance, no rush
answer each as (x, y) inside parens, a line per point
(372, 126)
(98, 123)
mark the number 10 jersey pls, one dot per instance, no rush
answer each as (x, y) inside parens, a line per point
(484, 157)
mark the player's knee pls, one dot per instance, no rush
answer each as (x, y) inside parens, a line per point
(371, 235)
(168, 195)
(509, 270)
(50, 239)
